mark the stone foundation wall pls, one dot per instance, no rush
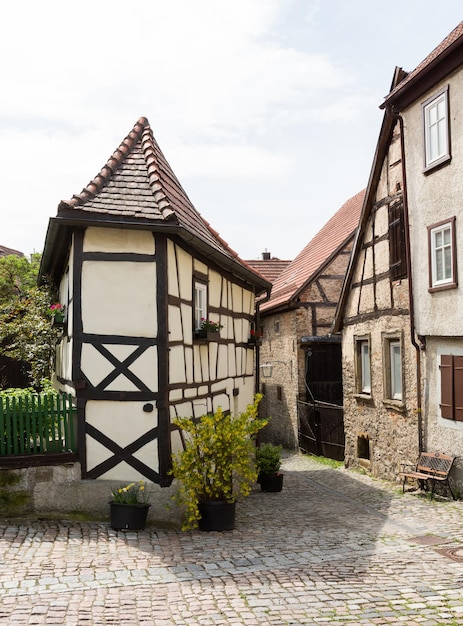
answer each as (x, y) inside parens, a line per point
(58, 490)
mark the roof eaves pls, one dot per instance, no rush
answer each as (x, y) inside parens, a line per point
(448, 54)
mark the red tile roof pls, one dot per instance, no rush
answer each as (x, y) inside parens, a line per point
(4, 251)
(268, 268)
(452, 41)
(326, 243)
(137, 183)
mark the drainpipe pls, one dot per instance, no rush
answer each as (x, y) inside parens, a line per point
(417, 347)
(257, 326)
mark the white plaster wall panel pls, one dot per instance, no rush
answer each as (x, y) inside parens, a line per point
(215, 288)
(98, 239)
(205, 360)
(400, 293)
(123, 287)
(237, 298)
(213, 352)
(433, 198)
(190, 392)
(94, 365)
(249, 361)
(175, 323)
(121, 383)
(185, 274)
(200, 353)
(222, 362)
(176, 442)
(199, 266)
(358, 269)
(221, 400)
(188, 354)
(366, 299)
(177, 365)
(145, 367)
(175, 395)
(186, 312)
(382, 224)
(231, 360)
(383, 294)
(123, 422)
(248, 302)
(368, 267)
(172, 273)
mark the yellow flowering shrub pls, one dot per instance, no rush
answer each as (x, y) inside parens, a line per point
(218, 460)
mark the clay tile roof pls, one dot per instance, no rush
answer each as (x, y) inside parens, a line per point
(270, 269)
(137, 183)
(442, 50)
(308, 263)
(4, 251)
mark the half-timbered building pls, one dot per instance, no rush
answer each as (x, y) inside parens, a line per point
(381, 400)
(300, 364)
(138, 270)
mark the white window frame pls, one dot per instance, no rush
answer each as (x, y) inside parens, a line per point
(395, 369)
(363, 365)
(442, 259)
(200, 303)
(436, 129)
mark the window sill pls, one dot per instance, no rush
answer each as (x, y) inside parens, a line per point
(363, 397)
(397, 405)
(442, 287)
(435, 165)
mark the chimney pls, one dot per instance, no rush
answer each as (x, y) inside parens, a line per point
(266, 256)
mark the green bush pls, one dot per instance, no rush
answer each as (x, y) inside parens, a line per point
(218, 460)
(268, 458)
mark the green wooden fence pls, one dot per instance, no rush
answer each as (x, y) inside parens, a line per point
(37, 424)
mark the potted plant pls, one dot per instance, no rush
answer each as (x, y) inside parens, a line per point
(58, 314)
(129, 506)
(208, 330)
(268, 457)
(216, 466)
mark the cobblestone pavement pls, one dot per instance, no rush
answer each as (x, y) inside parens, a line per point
(334, 546)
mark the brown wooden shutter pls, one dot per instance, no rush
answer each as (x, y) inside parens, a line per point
(458, 387)
(397, 260)
(446, 377)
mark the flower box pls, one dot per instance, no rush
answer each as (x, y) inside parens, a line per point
(207, 335)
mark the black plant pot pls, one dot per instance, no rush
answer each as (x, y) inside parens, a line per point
(271, 482)
(128, 516)
(217, 515)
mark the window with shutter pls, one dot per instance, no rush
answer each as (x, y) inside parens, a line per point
(451, 372)
(397, 258)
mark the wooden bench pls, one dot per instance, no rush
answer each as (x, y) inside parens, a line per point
(433, 467)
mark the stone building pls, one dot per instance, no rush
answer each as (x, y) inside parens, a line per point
(295, 323)
(429, 104)
(379, 375)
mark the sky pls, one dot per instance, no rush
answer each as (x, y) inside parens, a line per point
(267, 110)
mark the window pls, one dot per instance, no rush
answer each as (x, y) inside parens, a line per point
(451, 374)
(436, 130)
(200, 304)
(392, 354)
(442, 255)
(397, 255)
(362, 352)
